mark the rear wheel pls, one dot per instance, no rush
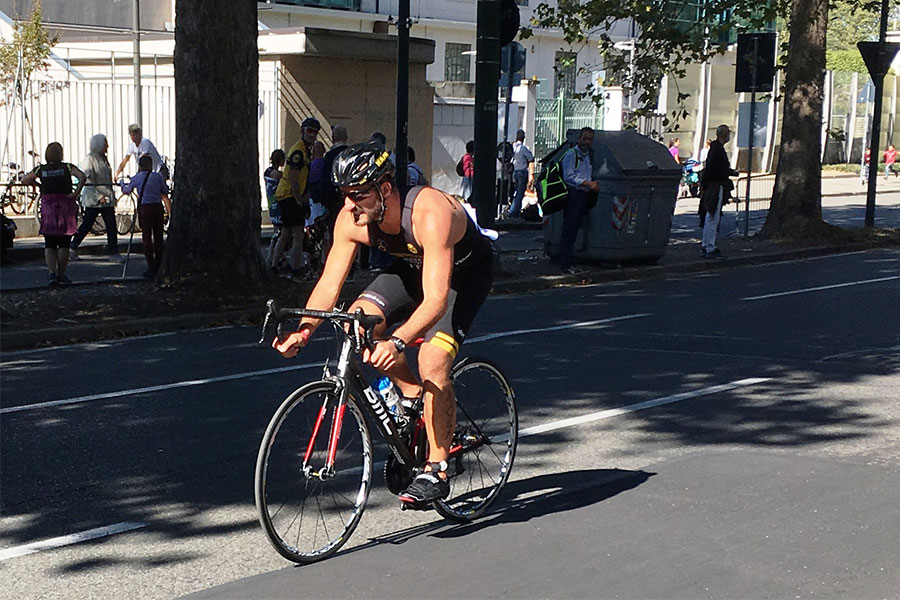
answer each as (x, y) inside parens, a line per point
(308, 513)
(126, 214)
(484, 444)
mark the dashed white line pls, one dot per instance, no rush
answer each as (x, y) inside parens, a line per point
(154, 388)
(68, 540)
(615, 412)
(821, 287)
(195, 382)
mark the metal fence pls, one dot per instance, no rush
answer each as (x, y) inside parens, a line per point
(554, 116)
(750, 217)
(73, 111)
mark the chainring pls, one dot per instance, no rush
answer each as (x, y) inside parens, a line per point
(396, 476)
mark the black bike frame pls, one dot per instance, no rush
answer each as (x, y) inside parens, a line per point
(349, 382)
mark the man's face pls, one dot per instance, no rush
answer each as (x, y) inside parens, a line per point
(136, 137)
(586, 140)
(309, 135)
(362, 202)
(725, 137)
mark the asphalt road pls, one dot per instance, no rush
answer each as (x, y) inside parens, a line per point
(756, 455)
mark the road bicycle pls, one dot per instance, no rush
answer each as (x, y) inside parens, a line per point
(315, 462)
(21, 199)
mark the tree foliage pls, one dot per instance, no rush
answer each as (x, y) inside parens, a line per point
(845, 61)
(850, 22)
(33, 45)
(668, 36)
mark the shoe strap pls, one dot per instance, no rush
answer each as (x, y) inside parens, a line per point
(430, 476)
(437, 467)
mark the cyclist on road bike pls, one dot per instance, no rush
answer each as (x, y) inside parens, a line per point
(441, 278)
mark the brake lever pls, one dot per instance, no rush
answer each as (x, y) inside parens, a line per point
(271, 311)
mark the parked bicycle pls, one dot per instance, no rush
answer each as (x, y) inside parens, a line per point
(19, 198)
(315, 463)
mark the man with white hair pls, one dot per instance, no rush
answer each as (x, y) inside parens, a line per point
(716, 188)
(138, 147)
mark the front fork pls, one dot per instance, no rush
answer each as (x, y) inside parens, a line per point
(337, 420)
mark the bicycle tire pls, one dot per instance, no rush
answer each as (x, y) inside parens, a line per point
(285, 490)
(485, 408)
(126, 214)
(14, 200)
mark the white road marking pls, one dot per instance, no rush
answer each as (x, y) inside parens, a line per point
(155, 388)
(68, 540)
(820, 288)
(503, 334)
(194, 382)
(615, 412)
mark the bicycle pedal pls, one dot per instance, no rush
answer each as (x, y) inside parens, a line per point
(420, 506)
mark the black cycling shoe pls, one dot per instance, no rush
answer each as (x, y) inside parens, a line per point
(424, 489)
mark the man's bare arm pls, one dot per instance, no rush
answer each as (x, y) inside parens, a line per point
(437, 229)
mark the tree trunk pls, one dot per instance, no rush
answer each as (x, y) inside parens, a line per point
(215, 226)
(796, 208)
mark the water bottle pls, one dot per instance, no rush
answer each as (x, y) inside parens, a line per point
(391, 397)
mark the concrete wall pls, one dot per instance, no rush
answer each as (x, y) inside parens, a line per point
(357, 90)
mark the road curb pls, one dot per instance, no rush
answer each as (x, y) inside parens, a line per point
(62, 335)
(597, 275)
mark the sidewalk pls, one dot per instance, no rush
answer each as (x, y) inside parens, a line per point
(32, 316)
(520, 242)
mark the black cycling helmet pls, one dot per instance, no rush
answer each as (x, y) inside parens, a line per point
(361, 164)
(311, 122)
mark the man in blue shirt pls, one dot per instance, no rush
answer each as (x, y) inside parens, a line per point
(576, 168)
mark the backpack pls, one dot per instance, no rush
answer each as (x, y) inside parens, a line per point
(459, 167)
(551, 189)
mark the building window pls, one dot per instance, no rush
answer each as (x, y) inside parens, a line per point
(457, 66)
(564, 71)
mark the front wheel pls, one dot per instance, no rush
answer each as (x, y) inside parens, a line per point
(306, 510)
(126, 214)
(484, 443)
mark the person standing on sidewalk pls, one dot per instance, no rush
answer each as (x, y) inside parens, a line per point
(59, 208)
(577, 171)
(716, 188)
(523, 173)
(98, 198)
(139, 146)
(467, 162)
(293, 197)
(152, 193)
(864, 171)
(890, 157)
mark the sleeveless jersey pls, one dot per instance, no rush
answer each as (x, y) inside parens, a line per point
(473, 248)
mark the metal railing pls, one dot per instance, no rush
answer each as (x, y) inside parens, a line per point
(750, 216)
(554, 116)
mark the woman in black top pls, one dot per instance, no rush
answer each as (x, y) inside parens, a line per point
(59, 208)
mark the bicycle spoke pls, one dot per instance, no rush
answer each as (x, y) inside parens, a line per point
(325, 504)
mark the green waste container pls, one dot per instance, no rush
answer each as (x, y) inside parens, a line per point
(632, 219)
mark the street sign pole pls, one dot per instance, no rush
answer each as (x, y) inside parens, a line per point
(402, 131)
(878, 79)
(504, 173)
(487, 72)
(750, 145)
(756, 58)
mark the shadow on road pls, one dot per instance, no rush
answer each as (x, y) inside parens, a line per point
(528, 499)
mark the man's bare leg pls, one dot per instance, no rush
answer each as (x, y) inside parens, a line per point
(440, 405)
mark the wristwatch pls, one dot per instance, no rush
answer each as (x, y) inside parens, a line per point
(399, 344)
